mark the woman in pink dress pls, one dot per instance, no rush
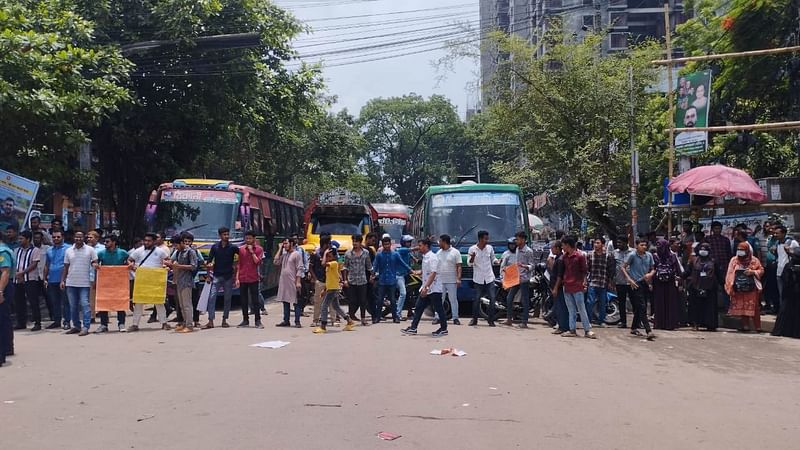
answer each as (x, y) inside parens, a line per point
(743, 284)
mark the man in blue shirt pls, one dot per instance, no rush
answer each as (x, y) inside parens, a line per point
(388, 264)
(405, 254)
(56, 297)
(223, 267)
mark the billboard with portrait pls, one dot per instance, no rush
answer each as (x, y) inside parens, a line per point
(17, 195)
(692, 105)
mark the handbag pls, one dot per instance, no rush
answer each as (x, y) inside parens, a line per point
(743, 283)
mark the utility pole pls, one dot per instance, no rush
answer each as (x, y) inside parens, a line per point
(634, 162)
(478, 168)
(671, 119)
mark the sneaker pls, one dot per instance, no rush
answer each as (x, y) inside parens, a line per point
(409, 330)
(590, 335)
(73, 331)
(569, 334)
(36, 327)
(491, 323)
(473, 323)
(439, 333)
(320, 330)
(53, 326)
(101, 329)
(122, 329)
(133, 328)
(557, 331)
(601, 325)
(523, 325)
(298, 325)
(208, 326)
(349, 327)
(66, 327)
(84, 332)
(166, 326)
(456, 322)
(282, 324)
(244, 324)
(396, 320)
(225, 323)
(259, 325)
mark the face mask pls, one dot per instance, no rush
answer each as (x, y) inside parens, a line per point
(740, 253)
(703, 252)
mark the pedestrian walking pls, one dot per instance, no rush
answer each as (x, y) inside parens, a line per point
(75, 278)
(317, 272)
(575, 272)
(665, 290)
(556, 270)
(621, 254)
(151, 256)
(387, 265)
(183, 264)
(222, 269)
(430, 293)
(250, 258)
(28, 286)
(332, 292)
(357, 273)
(482, 259)
(743, 284)
(525, 261)
(449, 275)
(702, 281)
(111, 255)
(289, 283)
(602, 270)
(57, 301)
(405, 254)
(639, 270)
(7, 266)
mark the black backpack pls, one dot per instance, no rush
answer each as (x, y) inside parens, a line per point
(664, 271)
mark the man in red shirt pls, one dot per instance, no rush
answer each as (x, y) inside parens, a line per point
(250, 258)
(575, 272)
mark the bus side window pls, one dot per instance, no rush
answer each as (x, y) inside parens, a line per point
(298, 213)
(255, 221)
(277, 218)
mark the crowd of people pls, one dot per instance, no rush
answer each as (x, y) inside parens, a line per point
(686, 280)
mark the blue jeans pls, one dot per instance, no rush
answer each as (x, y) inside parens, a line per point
(484, 290)
(79, 304)
(595, 294)
(57, 302)
(561, 311)
(227, 287)
(297, 312)
(401, 288)
(524, 288)
(386, 290)
(576, 301)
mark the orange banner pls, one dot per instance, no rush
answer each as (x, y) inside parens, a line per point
(113, 288)
(511, 276)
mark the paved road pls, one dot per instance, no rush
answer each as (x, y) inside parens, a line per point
(514, 389)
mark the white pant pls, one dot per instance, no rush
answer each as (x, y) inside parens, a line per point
(451, 291)
(138, 310)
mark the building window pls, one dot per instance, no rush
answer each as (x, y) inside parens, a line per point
(588, 21)
(618, 40)
(554, 3)
(618, 3)
(618, 19)
(588, 2)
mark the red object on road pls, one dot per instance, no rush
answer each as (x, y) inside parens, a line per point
(386, 436)
(718, 181)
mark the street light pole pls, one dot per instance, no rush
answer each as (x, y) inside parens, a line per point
(634, 162)
(671, 118)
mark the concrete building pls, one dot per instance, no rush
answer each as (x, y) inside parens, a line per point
(627, 22)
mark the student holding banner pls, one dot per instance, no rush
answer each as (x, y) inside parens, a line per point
(106, 301)
(149, 281)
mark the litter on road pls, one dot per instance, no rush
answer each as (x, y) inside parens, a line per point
(386, 436)
(271, 344)
(449, 351)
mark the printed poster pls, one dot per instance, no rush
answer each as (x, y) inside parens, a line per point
(17, 195)
(693, 103)
(510, 276)
(113, 288)
(150, 285)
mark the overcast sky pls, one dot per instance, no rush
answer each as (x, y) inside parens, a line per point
(385, 22)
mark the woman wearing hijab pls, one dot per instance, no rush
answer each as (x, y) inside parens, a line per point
(701, 281)
(666, 303)
(743, 285)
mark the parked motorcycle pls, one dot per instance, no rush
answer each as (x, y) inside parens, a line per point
(541, 302)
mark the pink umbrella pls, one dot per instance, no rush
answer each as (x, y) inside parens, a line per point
(717, 181)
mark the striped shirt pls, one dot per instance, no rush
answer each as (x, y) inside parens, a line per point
(80, 265)
(25, 257)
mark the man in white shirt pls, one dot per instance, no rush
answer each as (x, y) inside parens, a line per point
(449, 276)
(481, 258)
(27, 286)
(430, 294)
(149, 255)
(75, 279)
(784, 244)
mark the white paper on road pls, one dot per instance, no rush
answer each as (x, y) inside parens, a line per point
(271, 344)
(205, 294)
(449, 351)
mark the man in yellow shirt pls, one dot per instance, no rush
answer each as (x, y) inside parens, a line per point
(332, 286)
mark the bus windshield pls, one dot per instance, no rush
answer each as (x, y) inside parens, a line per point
(340, 226)
(465, 213)
(199, 212)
